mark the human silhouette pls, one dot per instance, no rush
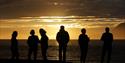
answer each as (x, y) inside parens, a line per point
(62, 38)
(44, 43)
(32, 44)
(83, 43)
(14, 45)
(107, 38)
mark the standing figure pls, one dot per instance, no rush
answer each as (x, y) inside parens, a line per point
(62, 38)
(107, 38)
(32, 44)
(14, 46)
(83, 43)
(44, 43)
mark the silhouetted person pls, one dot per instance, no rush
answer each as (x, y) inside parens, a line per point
(62, 38)
(33, 45)
(83, 43)
(14, 46)
(44, 43)
(107, 38)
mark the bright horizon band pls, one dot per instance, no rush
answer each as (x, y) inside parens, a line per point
(73, 24)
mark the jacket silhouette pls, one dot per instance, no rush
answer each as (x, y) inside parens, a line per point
(44, 43)
(62, 38)
(32, 44)
(14, 45)
(83, 43)
(107, 38)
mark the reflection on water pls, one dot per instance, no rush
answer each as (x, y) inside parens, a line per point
(52, 24)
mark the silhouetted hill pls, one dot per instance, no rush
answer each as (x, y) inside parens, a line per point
(121, 26)
(119, 31)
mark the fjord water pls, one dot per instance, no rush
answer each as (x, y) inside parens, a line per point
(73, 51)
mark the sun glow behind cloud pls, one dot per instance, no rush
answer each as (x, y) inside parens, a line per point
(56, 21)
(73, 24)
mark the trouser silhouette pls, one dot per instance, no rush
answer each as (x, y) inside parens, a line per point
(108, 50)
(62, 52)
(44, 52)
(32, 51)
(83, 56)
(15, 54)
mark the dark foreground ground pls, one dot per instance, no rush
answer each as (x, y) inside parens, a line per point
(26, 61)
(73, 52)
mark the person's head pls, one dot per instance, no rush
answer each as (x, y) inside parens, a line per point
(42, 31)
(15, 33)
(62, 27)
(107, 29)
(32, 32)
(83, 30)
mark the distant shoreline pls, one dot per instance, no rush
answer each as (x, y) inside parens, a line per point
(71, 39)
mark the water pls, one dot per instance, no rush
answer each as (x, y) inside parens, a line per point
(73, 52)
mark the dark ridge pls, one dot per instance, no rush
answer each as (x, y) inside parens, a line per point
(121, 26)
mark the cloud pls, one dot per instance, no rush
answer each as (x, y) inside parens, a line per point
(19, 8)
(69, 23)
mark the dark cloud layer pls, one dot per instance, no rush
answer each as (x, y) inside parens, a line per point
(18, 8)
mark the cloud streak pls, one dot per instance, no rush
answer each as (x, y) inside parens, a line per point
(54, 23)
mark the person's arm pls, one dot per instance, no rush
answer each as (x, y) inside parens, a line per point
(112, 37)
(57, 37)
(28, 41)
(68, 37)
(79, 39)
(47, 38)
(102, 37)
(37, 39)
(88, 39)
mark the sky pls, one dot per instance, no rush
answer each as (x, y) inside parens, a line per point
(19, 8)
(94, 26)
(95, 15)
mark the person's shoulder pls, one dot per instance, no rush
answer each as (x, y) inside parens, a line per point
(58, 32)
(30, 36)
(66, 32)
(110, 33)
(104, 33)
(80, 35)
(86, 35)
(35, 36)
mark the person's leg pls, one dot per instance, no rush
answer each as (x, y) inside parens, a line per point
(44, 54)
(12, 52)
(109, 54)
(60, 52)
(81, 57)
(35, 53)
(29, 53)
(103, 54)
(17, 55)
(85, 54)
(64, 53)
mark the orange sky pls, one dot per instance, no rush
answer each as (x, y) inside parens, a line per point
(73, 26)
